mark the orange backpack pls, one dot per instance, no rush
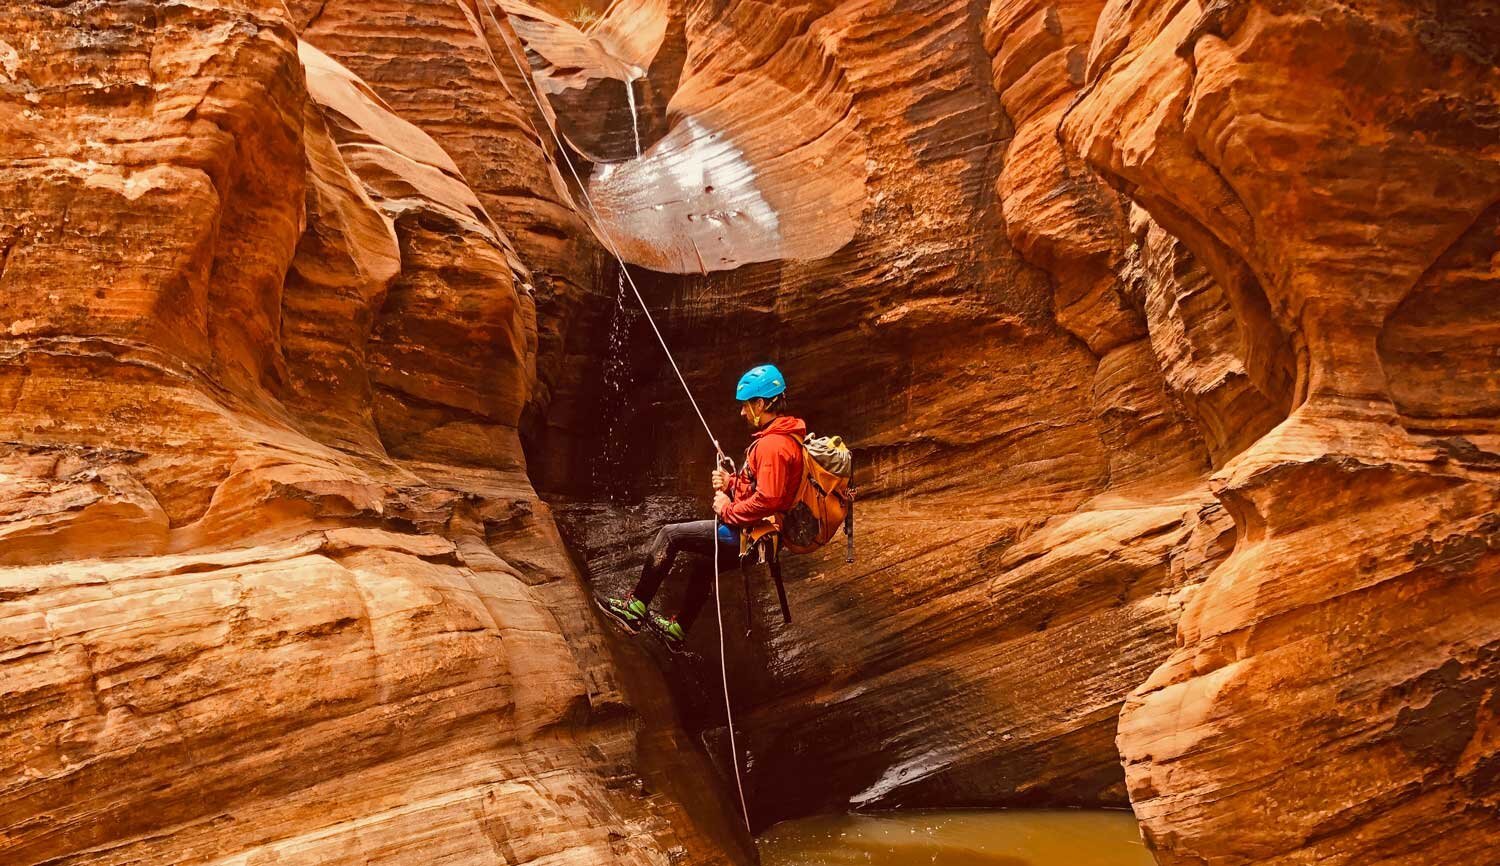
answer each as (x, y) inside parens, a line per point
(825, 502)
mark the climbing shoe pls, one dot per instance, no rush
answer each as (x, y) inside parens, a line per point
(669, 629)
(628, 611)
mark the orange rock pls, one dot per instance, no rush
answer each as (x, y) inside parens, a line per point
(273, 582)
(1328, 167)
(1164, 332)
(454, 78)
(1182, 448)
(729, 181)
(1028, 510)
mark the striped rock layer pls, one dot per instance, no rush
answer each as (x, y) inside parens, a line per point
(1165, 333)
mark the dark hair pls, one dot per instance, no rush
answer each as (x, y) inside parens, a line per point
(777, 404)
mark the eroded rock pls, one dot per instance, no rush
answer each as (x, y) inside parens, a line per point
(1164, 331)
(1028, 510)
(760, 160)
(1179, 445)
(1285, 143)
(274, 585)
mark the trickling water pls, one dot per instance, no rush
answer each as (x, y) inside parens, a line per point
(959, 838)
(612, 402)
(635, 124)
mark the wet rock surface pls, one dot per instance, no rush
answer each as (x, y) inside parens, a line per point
(741, 143)
(1141, 381)
(1166, 334)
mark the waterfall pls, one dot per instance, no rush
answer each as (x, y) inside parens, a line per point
(635, 124)
(612, 398)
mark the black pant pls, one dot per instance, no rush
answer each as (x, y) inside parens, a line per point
(694, 536)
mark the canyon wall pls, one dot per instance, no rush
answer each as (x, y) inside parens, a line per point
(1167, 340)
(274, 585)
(1166, 334)
(1336, 167)
(1031, 498)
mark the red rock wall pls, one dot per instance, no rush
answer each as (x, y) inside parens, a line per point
(1337, 672)
(274, 585)
(1029, 502)
(1165, 332)
(1146, 346)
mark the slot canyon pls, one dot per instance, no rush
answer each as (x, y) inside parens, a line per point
(1166, 334)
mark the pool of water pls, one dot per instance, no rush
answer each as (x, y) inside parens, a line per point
(1065, 837)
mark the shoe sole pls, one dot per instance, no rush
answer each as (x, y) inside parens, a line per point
(617, 618)
(673, 648)
(676, 645)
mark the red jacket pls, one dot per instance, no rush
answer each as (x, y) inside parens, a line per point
(767, 483)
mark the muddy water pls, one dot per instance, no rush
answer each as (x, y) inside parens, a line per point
(990, 838)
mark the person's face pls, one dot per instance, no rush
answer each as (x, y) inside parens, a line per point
(752, 410)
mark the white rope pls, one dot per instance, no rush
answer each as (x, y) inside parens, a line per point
(525, 72)
(604, 235)
(734, 752)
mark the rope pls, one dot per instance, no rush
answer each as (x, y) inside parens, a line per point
(609, 243)
(604, 235)
(734, 752)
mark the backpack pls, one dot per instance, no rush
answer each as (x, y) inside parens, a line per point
(825, 502)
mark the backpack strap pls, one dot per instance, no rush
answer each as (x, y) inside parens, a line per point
(786, 609)
(749, 600)
(849, 529)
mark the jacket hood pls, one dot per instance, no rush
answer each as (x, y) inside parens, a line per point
(786, 424)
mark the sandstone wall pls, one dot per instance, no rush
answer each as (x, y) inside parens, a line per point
(1029, 500)
(1338, 165)
(275, 585)
(1168, 340)
(1166, 332)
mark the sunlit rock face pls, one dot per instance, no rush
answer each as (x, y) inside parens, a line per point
(1337, 171)
(604, 83)
(445, 66)
(274, 585)
(692, 200)
(1167, 339)
(755, 157)
(1165, 333)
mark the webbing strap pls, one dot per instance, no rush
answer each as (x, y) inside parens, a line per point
(786, 609)
(849, 533)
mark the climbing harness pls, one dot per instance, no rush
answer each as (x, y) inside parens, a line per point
(721, 458)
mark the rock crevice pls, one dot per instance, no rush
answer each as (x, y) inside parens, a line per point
(1165, 333)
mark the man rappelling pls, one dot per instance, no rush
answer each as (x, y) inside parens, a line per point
(755, 498)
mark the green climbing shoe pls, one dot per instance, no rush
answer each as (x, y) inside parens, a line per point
(670, 630)
(630, 611)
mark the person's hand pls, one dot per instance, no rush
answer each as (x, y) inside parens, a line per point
(721, 480)
(721, 502)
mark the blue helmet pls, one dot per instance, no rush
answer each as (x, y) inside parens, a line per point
(764, 381)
